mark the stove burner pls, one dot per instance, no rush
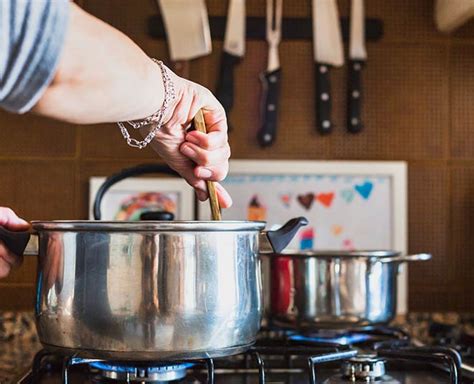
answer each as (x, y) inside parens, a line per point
(367, 367)
(141, 374)
(333, 338)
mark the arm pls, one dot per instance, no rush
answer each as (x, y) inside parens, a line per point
(102, 76)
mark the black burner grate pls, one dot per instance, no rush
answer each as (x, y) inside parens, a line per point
(282, 351)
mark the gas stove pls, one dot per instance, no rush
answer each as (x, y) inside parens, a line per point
(378, 355)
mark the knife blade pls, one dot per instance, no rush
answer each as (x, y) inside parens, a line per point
(187, 31)
(272, 76)
(234, 50)
(328, 52)
(357, 58)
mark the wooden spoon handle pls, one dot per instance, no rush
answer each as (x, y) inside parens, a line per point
(200, 125)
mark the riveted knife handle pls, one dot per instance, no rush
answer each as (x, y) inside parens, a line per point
(354, 97)
(225, 82)
(271, 95)
(323, 99)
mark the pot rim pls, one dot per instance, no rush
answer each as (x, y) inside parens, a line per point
(342, 254)
(145, 226)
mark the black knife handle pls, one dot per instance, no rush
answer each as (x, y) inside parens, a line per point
(225, 82)
(271, 95)
(323, 99)
(354, 97)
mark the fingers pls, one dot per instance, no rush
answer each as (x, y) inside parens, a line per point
(212, 165)
(8, 260)
(11, 221)
(4, 268)
(225, 201)
(200, 187)
(209, 141)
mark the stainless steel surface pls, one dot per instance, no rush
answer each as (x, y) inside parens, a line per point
(32, 247)
(357, 49)
(406, 258)
(187, 28)
(333, 289)
(346, 254)
(162, 226)
(274, 11)
(148, 295)
(327, 37)
(234, 40)
(365, 367)
(152, 290)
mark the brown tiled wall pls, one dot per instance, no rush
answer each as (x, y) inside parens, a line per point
(419, 107)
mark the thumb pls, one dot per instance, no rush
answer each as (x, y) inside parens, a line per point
(11, 221)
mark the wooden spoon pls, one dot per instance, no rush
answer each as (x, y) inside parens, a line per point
(200, 126)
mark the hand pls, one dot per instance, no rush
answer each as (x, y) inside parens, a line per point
(194, 155)
(12, 222)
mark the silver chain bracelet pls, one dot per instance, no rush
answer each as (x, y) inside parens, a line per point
(156, 118)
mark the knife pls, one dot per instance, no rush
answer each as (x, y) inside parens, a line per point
(271, 77)
(328, 51)
(357, 58)
(187, 31)
(234, 49)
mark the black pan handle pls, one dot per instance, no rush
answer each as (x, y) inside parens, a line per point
(323, 99)
(125, 173)
(271, 88)
(225, 82)
(354, 97)
(15, 241)
(280, 238)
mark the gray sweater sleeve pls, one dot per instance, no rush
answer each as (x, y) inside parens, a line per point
(31, 38)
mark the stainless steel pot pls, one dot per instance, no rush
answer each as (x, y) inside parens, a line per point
(151, 290)
(332, 289)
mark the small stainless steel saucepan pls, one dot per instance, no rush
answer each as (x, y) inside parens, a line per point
(334, 289)
(150, 290)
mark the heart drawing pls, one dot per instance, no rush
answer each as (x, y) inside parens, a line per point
(306, 200)
(364, 189)
(325, 198)
(347, 195)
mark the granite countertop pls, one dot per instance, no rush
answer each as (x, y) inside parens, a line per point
(19, 341)
(18, 344)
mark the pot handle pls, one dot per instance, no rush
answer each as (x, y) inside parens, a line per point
(123, 174)
(279, 239)
(16, 242)
(406, 258)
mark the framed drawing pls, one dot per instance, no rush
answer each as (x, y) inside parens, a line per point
(349, 205)
(127, 199)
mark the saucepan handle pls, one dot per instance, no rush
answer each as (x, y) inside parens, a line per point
(138, 170)
(276, 241)
(15, 241)
(406, 258)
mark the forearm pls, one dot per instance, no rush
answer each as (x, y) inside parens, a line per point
(102, 76)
